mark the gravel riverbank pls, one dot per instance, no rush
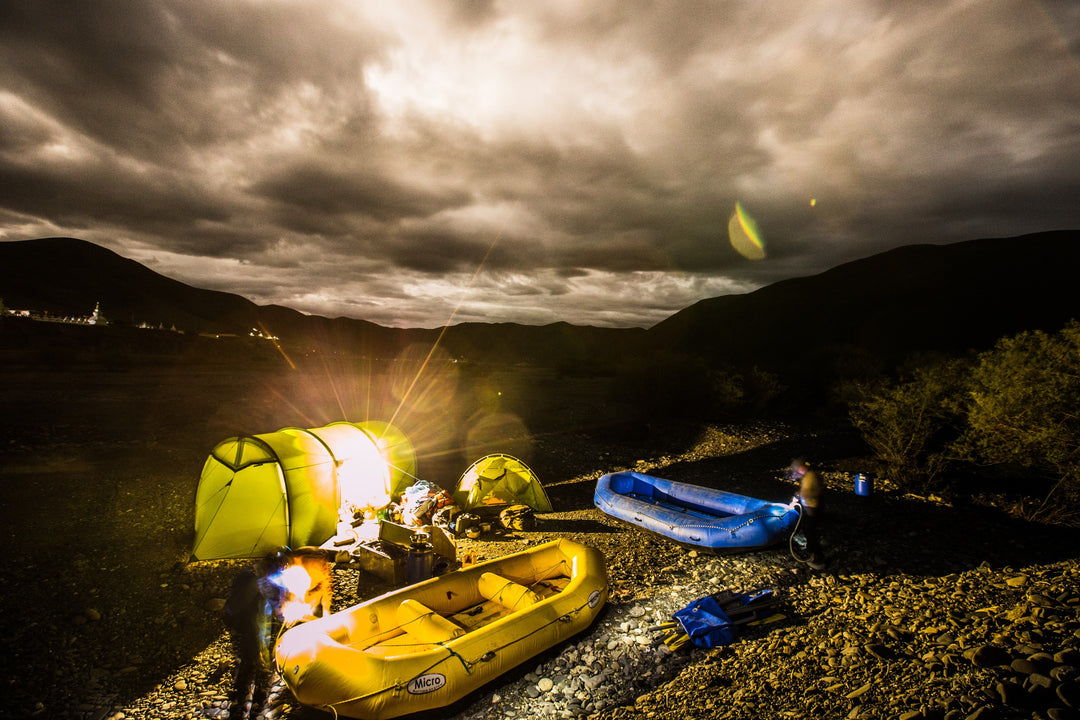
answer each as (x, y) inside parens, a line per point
(927, 610)
(981, 644)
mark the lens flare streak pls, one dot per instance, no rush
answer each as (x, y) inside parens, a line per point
(744, 235)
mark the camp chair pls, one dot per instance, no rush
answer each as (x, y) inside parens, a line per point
(712, 621)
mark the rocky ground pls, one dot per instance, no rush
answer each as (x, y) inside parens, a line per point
(928, 609)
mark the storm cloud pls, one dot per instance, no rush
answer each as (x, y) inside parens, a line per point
(422, 163)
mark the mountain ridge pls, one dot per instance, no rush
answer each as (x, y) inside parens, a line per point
(66, 276)
(914, 298)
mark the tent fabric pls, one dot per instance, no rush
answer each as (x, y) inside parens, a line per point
(500, 480)
(285, 488)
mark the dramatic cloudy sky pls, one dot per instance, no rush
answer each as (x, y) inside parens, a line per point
(423, 163)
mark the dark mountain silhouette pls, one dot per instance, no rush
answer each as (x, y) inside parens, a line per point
(948, 298)
(916, 298)
(66, 277)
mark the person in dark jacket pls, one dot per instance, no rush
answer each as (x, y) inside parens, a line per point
(811, 495)
(280, 590)
(252, 621)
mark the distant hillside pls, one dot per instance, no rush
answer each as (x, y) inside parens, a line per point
(949, 298)
(67, 277)
(915, 298)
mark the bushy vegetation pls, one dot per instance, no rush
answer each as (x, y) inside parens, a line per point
(1023, 409)
(1014, 407)
(907, 421)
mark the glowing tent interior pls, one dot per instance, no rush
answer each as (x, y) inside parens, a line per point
(290, 487)
(496, 480)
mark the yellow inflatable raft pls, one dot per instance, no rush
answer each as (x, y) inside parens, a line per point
(428, 645)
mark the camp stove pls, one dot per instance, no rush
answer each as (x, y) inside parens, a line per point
(387, 557)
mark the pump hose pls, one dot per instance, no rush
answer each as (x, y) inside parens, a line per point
(795, 531)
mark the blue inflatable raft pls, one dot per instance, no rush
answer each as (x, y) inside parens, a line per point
(694, 516)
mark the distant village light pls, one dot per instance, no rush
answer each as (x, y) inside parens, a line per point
(94, 318)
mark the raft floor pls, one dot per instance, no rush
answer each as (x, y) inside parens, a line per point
(396, 642)
(668, 504)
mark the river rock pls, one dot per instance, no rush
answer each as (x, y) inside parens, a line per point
(986, 656)
(1069, 693)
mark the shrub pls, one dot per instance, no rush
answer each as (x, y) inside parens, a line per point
(904, 420)
(761, 390)
(1022, 405)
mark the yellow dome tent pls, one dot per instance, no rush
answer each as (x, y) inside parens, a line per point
(498, 479)
(290, 487)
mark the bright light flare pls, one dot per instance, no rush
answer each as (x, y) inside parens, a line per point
(363, 475)
(744, 235)
(396, 450)
(295, 583)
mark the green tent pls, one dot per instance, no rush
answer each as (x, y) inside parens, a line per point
(290, 487)
(495, 480)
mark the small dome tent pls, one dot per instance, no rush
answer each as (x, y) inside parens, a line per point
(260, 492)
(500, 480)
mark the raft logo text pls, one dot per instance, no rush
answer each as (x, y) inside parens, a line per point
(426, 683)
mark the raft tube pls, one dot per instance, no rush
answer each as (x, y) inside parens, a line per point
(428, 645)
(693, 516)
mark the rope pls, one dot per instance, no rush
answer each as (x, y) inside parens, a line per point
(402, 471)
(454, 653)
(750, 521)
